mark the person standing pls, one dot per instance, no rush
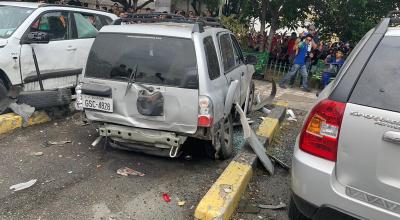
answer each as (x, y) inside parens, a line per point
(299, 63)
(333, 65)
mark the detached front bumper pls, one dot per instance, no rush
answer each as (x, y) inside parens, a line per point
(159, 139)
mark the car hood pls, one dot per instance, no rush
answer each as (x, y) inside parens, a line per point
(3, 42)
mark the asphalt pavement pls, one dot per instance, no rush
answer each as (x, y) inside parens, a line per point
(78, 181)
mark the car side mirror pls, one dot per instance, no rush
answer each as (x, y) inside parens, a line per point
(37, 37)
(251, 59)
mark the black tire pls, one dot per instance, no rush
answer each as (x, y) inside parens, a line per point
(47, 98)
(226, 132)
(294, 213)
(3, 97)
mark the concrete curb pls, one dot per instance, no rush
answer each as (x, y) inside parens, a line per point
(11, 121)
(223, 197)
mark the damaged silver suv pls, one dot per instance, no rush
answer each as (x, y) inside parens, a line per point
(150, 86)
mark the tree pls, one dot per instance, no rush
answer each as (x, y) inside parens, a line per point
(132, 3)
(349, 20)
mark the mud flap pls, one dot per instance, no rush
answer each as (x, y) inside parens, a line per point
(255, 144)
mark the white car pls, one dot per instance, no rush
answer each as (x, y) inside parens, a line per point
(71, 32)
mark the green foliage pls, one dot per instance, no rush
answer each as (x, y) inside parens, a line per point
(350, 19)
(239, 29)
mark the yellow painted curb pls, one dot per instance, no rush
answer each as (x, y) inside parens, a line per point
(268, 128)
(282, 103)
(11, 121)
(223, 197)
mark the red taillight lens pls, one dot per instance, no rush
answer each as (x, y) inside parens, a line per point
(205, 121)
(206, 113)
(320, 134)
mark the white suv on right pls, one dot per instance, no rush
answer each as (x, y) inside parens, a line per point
(346, 162)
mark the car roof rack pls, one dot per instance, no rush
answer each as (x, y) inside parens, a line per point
(394, 17)
(68, 6)
(198, 23)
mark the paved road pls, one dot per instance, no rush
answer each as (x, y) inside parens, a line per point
(76, 181)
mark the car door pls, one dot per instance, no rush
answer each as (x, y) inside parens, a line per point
(369, 142)
(232, 67)
(84, 35)
(245, 73)
(57, 60)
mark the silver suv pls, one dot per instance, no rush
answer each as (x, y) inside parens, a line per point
(346, 159)
(150, 86)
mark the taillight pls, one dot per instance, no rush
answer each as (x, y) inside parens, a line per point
(205, 118)
(320, 134)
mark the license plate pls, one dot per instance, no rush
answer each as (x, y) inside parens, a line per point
(98, 103)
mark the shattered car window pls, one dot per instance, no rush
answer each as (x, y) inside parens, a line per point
(160, 60)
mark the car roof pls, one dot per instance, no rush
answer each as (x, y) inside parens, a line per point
(44, 5)
(393, 31)
(183, 30)
(22, 4)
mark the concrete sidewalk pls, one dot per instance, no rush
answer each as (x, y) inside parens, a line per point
(296, 98)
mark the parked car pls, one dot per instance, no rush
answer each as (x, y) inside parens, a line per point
(346, 159)
(70, 32)
(159, 83)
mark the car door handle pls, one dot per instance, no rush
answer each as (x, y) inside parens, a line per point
(392, 137)
(70, 48)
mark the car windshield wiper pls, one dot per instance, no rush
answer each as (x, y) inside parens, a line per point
(132, 79)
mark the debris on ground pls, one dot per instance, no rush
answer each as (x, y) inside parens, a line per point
(37, 153)
(97, 141)
(246, 207)
(265, 110)
(58, 142)
(292, 116)
(181, 203)
(254, 142)
(281, 163)
(23, 110)
(21, 186)
(125, 171)
(70, 172)
(281, 205)
(49, 181)
(166, 197)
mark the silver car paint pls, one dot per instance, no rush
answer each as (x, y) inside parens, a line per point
(366, 161)
(184, 108)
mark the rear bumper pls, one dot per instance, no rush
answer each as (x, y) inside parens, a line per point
(323, 213)
(314, 181)
(160, 139)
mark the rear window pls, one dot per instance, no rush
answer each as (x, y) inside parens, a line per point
(156, 60)
(378, 85)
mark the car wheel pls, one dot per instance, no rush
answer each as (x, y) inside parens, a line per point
(226, 149)
(294, 213)
(3, 97)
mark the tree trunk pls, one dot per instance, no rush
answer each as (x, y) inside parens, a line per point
(144, 4)
(274, 27)
(263, 18)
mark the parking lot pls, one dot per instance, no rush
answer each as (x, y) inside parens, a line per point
(78, 181)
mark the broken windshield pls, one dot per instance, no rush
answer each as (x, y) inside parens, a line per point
(11, 18)
(162, 60)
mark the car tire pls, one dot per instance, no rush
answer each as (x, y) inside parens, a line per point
(226, 132)
(3, 97)
(47, 98)
(294, 213)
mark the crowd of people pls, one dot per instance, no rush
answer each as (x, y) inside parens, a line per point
(302, 52)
